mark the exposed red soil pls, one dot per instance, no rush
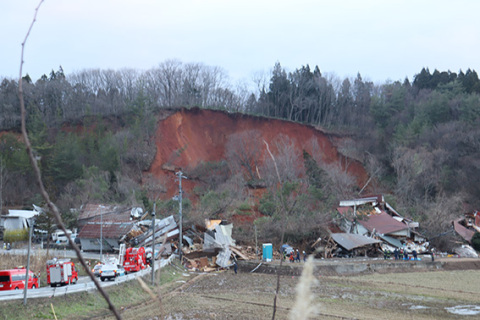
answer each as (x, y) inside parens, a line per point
(189, 137)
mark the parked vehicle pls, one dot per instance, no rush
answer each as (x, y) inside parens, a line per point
(149, 255)
(111, 271)
(135, 259)
(120, 270)
(61, 272)
(14, 279)
(96, 269)
(59, 236)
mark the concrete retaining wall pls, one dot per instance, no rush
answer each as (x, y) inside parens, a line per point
(342, 267)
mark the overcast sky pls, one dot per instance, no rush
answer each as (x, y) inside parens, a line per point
(381, 39)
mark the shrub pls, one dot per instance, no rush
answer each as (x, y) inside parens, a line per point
(267, 205)
(476, 241)
(15, 235)
(244, 207)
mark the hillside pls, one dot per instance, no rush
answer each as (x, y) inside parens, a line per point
(191, 136)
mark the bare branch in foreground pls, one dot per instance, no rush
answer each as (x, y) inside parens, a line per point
(38, 175)
(284, 218)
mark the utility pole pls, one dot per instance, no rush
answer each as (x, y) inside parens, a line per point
(180, 176)
(101, 235)
(256, 246)
(27, 272)
(153, 244)
(1, 185)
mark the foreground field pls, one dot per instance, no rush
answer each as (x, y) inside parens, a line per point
(224, 295)
(419, 295)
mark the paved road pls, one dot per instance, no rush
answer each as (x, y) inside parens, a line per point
(84, 284)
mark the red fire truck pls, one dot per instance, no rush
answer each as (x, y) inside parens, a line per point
(14, 279)
(61, 272)
(135, 259)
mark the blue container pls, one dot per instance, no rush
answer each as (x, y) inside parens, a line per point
(267, 252)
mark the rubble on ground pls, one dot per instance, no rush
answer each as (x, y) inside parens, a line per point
(372, 220)
(367, 227)
(465, 251)
(206, 248)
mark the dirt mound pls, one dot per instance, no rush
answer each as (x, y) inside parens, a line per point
(191, 136)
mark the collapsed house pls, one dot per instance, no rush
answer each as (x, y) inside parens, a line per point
(112, 225)
(350, 245)
(373, 218)
(467, 226)
(213, 247)
(203, 248)
(165, 230)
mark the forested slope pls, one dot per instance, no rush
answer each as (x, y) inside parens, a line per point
(114, 136)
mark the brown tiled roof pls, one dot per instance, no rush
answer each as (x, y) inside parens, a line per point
(96, 212)
(383, 223)
(464, 232)
(90, 211)
(111, 230)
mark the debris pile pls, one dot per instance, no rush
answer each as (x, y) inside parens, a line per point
(468, 225)
(369, 226)
(216, 250)
(204, 248)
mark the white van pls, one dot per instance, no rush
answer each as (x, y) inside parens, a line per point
(59, 236)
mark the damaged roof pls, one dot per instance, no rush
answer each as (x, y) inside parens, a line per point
(357, 202)
(351, 241)
(463, 231)
(374, 216)
(111, 230)
(109, 212)
(382, 223)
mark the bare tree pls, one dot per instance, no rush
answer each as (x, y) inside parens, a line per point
(341, 184)
(418, 172)
(288, 161)
(3, 178)
(437, 216)
(243, 152)
(286, 207)
(38, 175)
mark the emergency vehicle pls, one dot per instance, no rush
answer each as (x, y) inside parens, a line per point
(135, 259)
(14, 279)
(61, 272)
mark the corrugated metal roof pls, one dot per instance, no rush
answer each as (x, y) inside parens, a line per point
(351, 241)
(383, 223)
(112, 230)
(391, 240)
(362, 201)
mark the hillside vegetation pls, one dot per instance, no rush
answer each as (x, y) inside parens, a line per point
(116, 136)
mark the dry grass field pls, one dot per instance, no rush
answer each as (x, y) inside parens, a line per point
(418, 295)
